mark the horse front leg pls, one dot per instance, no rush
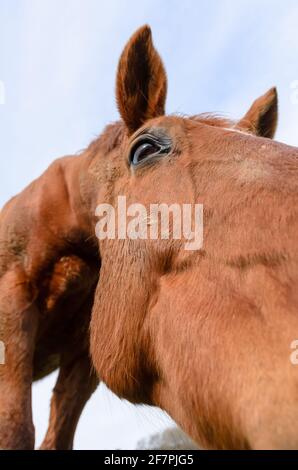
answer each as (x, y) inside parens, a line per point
(75, 384)
(18, 325)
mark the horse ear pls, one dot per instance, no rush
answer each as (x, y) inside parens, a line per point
(261, 119)
(141, 85)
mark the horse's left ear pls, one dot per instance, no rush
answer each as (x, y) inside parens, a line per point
(261, 119)
(141, 81)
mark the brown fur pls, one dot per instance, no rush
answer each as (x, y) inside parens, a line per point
(141, 81)
(49, 269)
(261, 118)
(50, 263)
(206, 335)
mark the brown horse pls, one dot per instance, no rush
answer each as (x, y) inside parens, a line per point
(206, 335)
(49, 259)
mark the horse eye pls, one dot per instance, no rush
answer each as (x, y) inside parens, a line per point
(143, 151)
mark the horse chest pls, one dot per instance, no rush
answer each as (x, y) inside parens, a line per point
(69, 278)
(65, 303)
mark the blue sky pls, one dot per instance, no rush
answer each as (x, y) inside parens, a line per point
(57, 65)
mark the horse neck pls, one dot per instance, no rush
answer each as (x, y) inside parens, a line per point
(76, 195)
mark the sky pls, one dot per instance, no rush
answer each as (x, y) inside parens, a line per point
(58, 60)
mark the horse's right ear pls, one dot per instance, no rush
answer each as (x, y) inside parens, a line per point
(261, 118)
(141, 81)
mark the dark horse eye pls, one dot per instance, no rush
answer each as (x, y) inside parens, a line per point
(145, 149)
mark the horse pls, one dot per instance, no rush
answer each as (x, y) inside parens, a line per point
(204, 334)
(50, 263)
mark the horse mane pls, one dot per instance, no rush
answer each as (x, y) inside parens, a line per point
(213, 120)
(114, 133)
(109, 139)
